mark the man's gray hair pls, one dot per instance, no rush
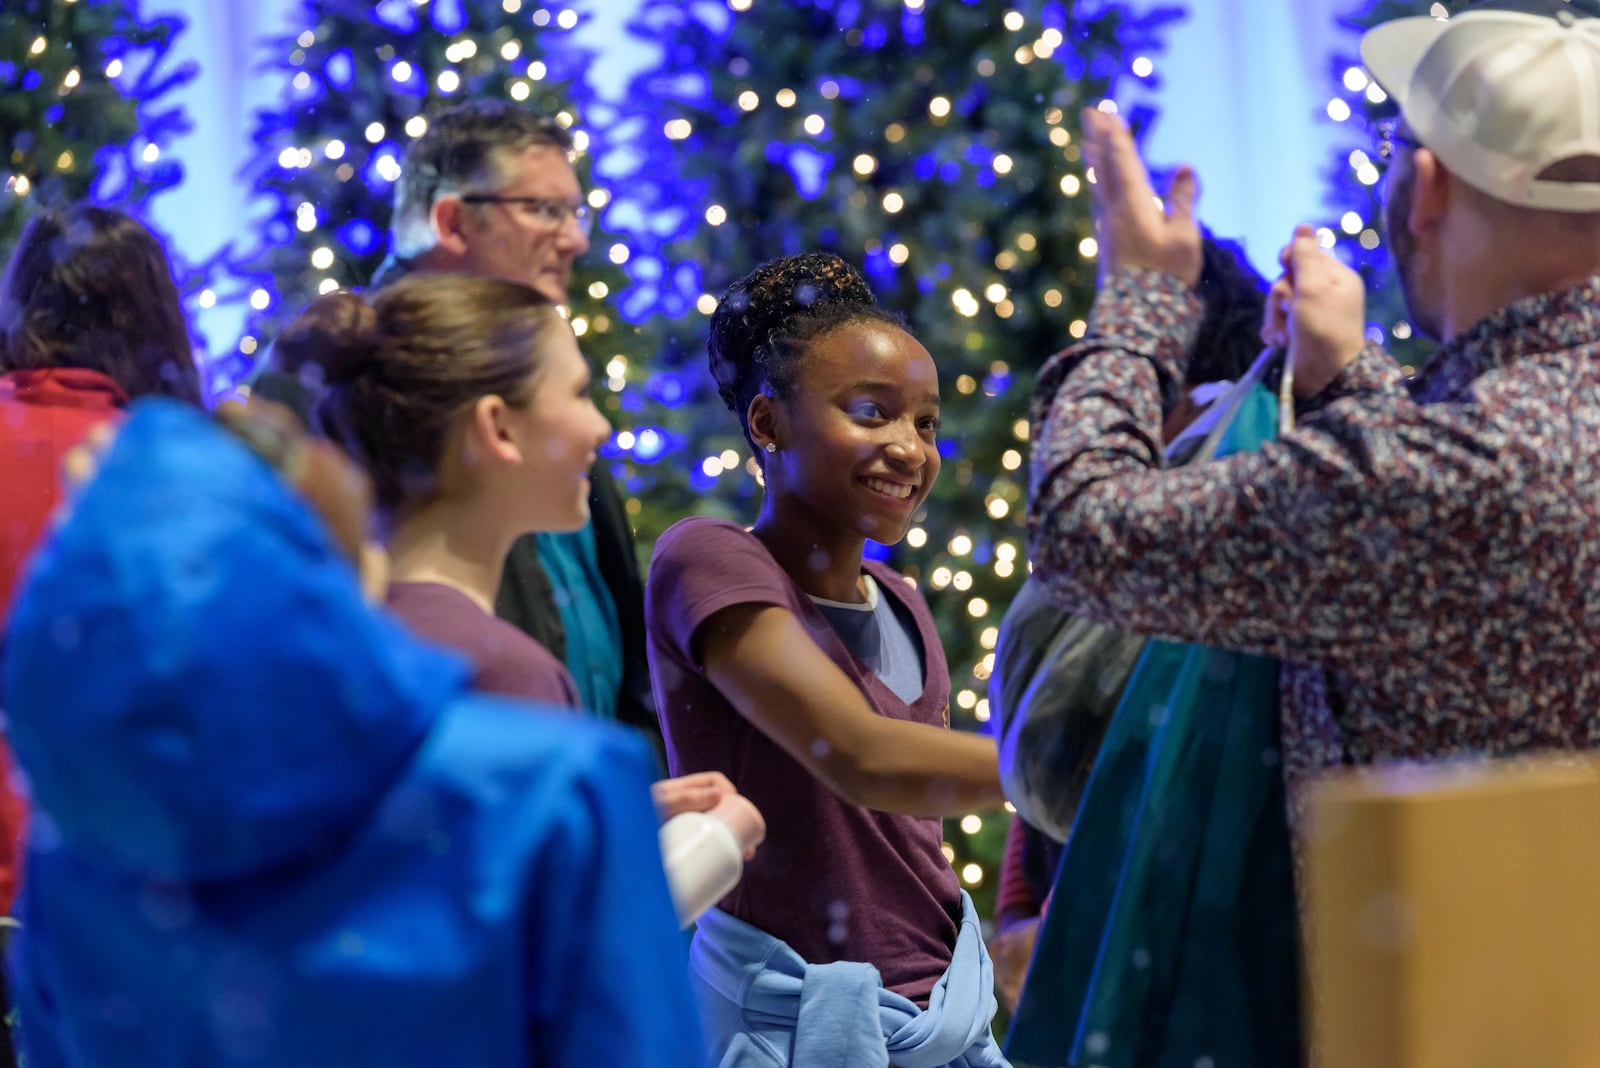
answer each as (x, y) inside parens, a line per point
(463, 151)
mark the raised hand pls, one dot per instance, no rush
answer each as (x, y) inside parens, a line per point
(1134, 228)
(1317, 310)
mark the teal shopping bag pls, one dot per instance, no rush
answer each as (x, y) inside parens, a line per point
(1172, 938)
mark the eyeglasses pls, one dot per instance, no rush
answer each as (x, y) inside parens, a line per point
(552, 213)
(1390, 139)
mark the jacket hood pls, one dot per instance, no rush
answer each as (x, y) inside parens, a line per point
(194, 685)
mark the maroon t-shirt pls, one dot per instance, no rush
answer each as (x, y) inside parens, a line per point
(834, 880)
(508, 662)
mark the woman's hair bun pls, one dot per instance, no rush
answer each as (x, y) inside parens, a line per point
(335, 339)
(773, 295)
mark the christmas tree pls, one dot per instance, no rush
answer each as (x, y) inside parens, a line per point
(933, 144)
(362, 80)
(82, 85)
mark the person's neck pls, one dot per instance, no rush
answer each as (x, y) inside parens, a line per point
(1476, 302)
(1496, 268)
(439, 260)
(823, 561)
(452, 543)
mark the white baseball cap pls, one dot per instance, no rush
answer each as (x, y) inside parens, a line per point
(1499, 92)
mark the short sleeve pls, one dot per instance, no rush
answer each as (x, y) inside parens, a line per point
(522, 668)
(702, 566)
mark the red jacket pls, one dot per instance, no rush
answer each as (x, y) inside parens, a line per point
(42, 414)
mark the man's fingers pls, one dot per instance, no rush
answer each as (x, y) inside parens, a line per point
(1181, 197)
(1308, 262)
(1121, 160)
(1094, 153)
(1275, 322)
(1104, 148)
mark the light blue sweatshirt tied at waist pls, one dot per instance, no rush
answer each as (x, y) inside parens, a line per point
(765, 1007)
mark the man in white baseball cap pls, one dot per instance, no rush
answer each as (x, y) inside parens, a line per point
(1419, 553)
(1495, 188)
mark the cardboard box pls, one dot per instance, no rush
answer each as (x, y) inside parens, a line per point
(1454, 916)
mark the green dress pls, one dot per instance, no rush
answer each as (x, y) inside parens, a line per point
(1172, 935)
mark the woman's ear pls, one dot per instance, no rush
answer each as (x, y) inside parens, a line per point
(491, 433)
(763, 418)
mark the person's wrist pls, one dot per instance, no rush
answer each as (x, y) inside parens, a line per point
(1316, 377)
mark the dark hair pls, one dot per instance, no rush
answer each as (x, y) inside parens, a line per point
(1235, 297)
(766, 320)
(396, 367)
(461, 150)
(92, 288)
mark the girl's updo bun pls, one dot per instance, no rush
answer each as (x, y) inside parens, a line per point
(395, 369)
(335, 340)
(766, 320)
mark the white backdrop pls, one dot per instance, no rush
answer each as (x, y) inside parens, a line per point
(1244, 84)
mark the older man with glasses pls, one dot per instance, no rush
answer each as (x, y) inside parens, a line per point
(490, 189)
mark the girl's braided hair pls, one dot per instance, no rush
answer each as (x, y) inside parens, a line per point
(767, 320)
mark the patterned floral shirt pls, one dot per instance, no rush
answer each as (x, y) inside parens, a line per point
(1423, 555)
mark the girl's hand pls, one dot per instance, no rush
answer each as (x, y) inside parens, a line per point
(690, 793)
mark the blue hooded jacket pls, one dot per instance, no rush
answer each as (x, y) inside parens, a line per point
(272, 828)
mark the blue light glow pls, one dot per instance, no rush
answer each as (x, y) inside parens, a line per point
(911, 28)
(809, 168)
(113, 175)
(668, 389)
(398, 15)
(359, 236)
(372, 173)
(649, 444)
(447, 16)
(997, 383)
(340, 69)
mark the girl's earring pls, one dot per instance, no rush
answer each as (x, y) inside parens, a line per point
(772, 446)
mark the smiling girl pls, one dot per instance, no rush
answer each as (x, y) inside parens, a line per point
(815, 680)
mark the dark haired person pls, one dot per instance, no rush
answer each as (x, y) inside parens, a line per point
(284, 831)
(815, 681)
(1417, 552)
(490, 189)
(89, 319)
(1226, 344)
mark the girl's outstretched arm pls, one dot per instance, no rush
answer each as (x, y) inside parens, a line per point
(769, 668)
